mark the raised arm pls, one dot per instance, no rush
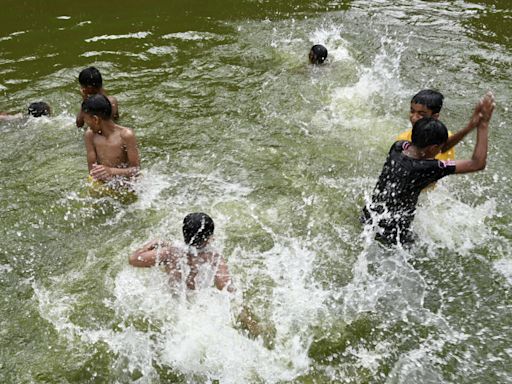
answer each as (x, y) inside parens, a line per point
(479, 159)
(460, 134)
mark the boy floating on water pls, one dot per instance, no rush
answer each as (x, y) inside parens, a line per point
(317, 54)
(410, 167)
(112, 151)
(91, 83)
(36, 109)
(197, 266)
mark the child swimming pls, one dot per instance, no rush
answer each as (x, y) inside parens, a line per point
(196, 266)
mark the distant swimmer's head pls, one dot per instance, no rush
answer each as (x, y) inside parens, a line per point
(317, 54)
(90, 81)
(39, 108)
(429, 134)
(197, 229)
(426, 103)
(96, 108)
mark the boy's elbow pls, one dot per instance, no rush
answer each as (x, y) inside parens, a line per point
(134, 259)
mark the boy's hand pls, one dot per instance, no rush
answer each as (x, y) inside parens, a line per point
(487, 106)
(477, 115)
(100, 172)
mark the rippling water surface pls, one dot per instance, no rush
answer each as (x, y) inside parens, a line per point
(231, 120)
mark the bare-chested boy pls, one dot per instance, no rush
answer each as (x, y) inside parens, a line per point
(111, 149)
(195, 267)
(91, 83)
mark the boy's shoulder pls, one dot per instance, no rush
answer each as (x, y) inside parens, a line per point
(89, 134)
(407, 135)
(125, 132)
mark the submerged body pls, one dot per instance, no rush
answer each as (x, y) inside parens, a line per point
(194, 268)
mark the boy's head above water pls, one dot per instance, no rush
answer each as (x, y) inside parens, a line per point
(198, 228)
(90, 80)
(38, 109)
(96, 108)
(317, 54)
(429, 135)
(426, 103)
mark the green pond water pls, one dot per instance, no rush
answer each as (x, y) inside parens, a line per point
(231, 120)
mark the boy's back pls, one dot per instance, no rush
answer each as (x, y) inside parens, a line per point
(398, 188)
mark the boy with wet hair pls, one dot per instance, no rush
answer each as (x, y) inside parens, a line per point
(197, 266)
(91, 83)
(410, 167)
(317, 54)
(35, 109)
(38, 109)
(111, 149)
(428, 103)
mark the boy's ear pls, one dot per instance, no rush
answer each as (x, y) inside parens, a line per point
(96, 119)
(435, 116)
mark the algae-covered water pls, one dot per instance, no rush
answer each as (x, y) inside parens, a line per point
(232, 121)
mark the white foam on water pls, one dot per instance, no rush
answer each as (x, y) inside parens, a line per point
(5, 268)
(504, 267)
(332, 38)
(382, 78)
(11, 35)
(192, 36)
(56, 308)
(117, 53)
(136, 35)
(442, 219)
(63, 17)
(163, 50)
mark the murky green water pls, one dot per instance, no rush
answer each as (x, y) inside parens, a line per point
(232, 121)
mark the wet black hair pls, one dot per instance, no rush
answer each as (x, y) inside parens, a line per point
(197, 229)
(319, 54)
(90, 77)
(98, 105)
(433, 100)
(428, 131)
(38, 109)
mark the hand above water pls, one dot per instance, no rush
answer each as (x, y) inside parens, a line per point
(100, 172)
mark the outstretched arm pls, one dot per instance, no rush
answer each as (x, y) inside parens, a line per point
(479, 159)
(150, 253)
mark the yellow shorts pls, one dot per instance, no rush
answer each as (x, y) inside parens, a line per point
(98, 189)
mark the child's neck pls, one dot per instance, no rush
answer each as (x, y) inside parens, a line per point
(416, 153)
(107, 127)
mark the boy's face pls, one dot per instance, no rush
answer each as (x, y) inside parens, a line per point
(419, 111)
(312, 57)
(92, 122)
